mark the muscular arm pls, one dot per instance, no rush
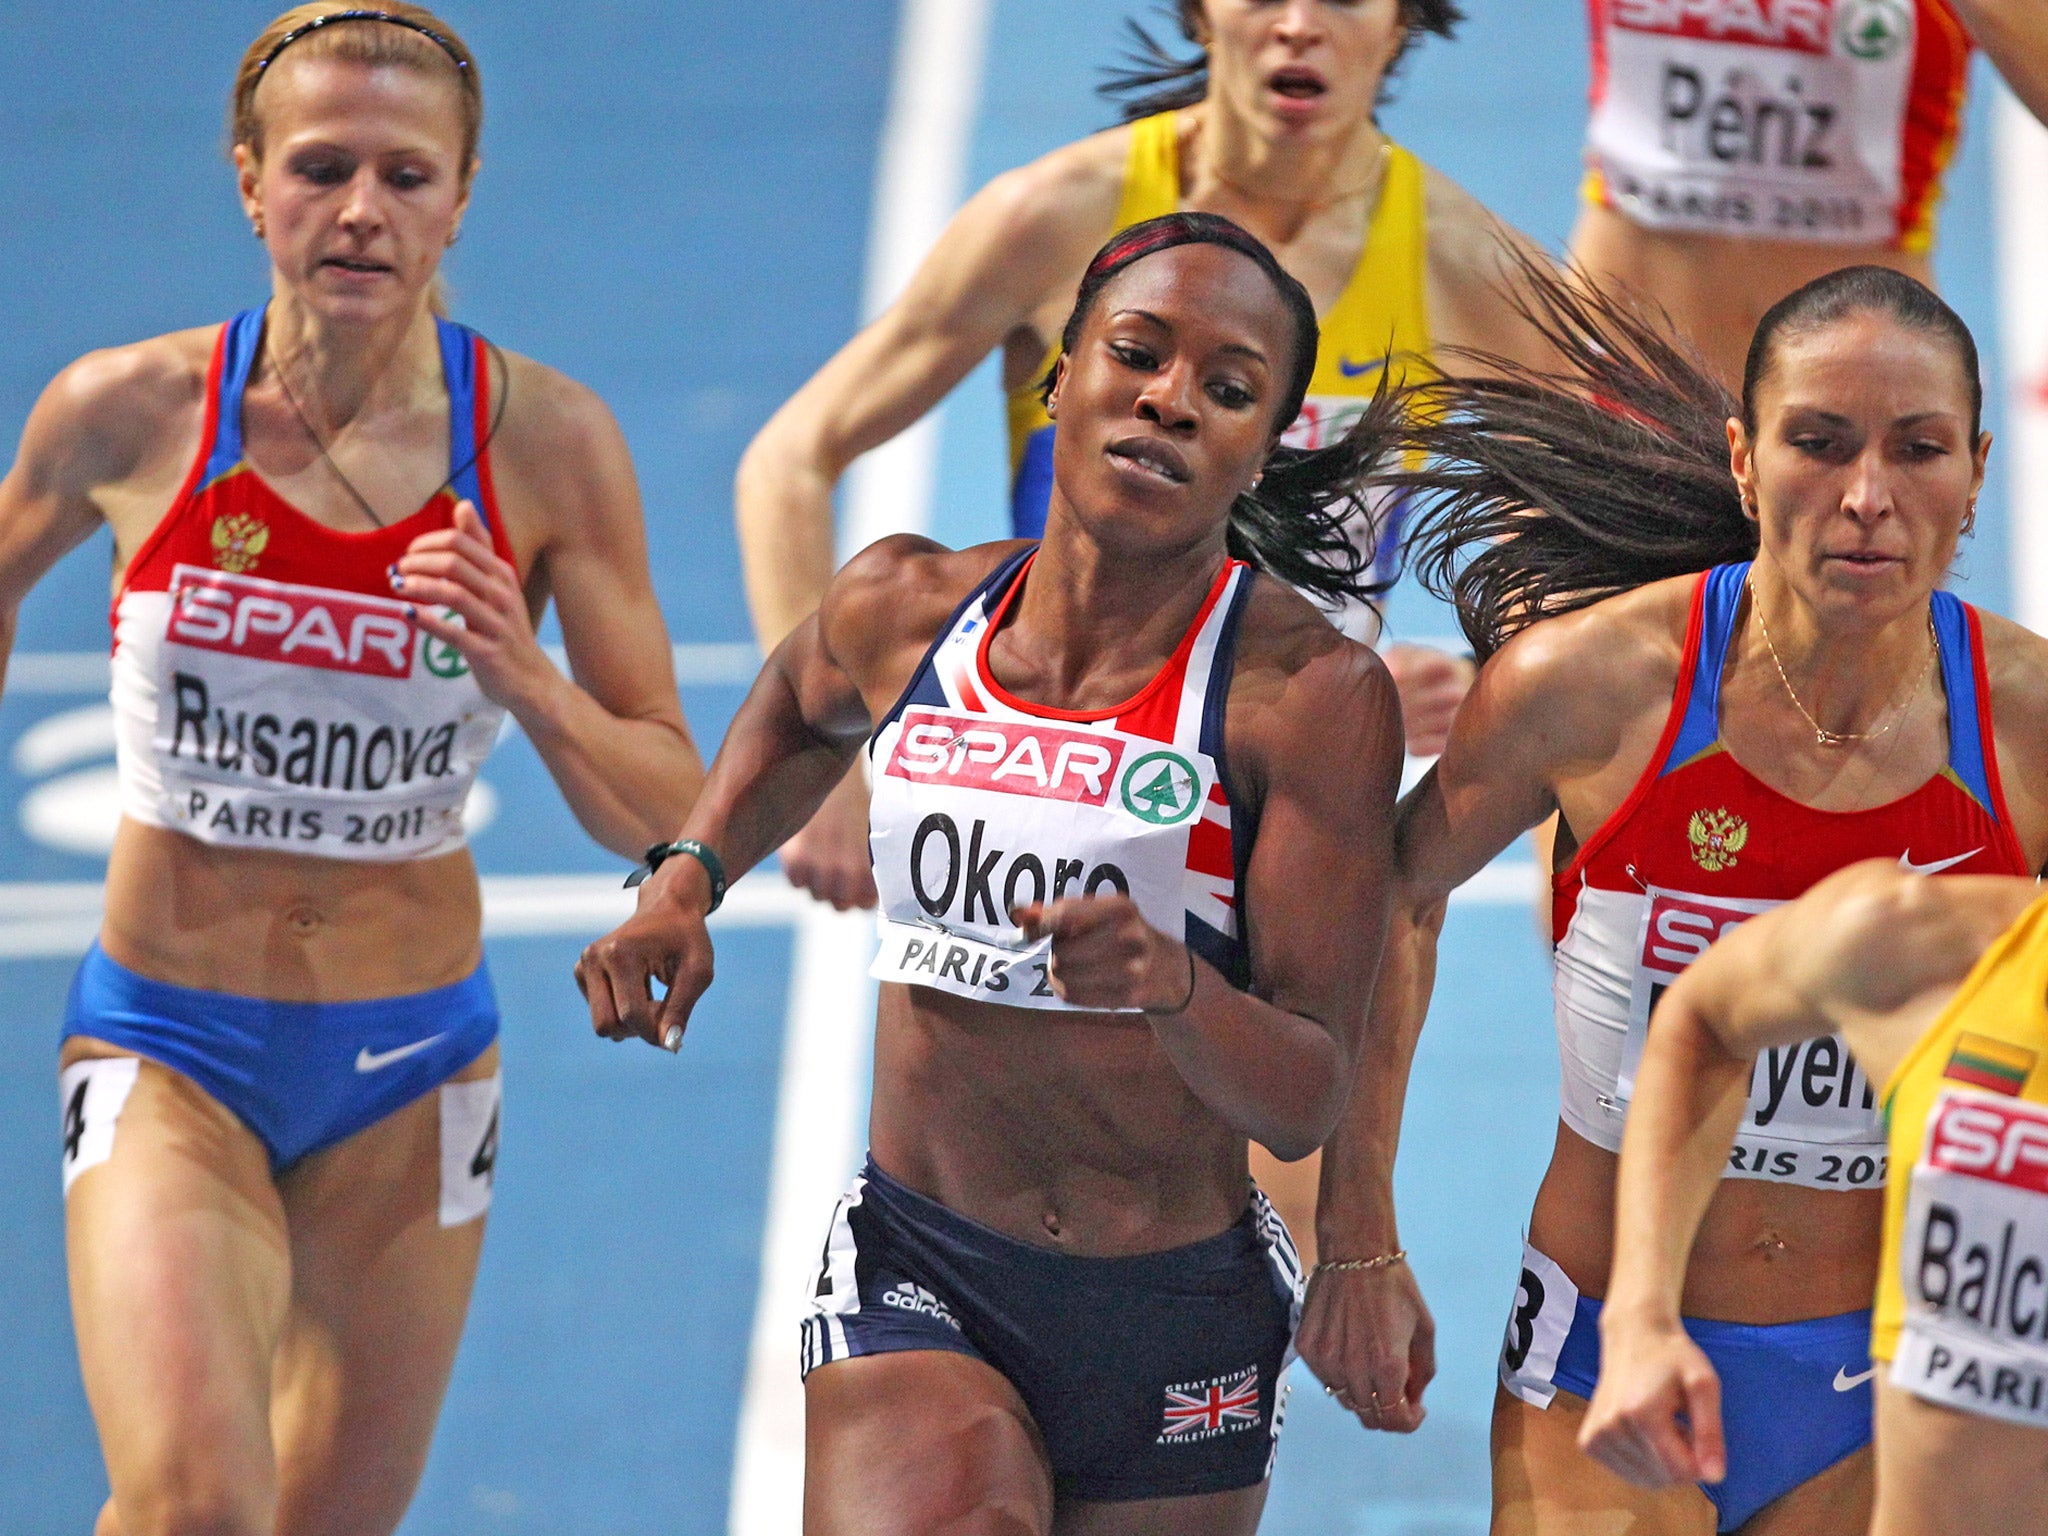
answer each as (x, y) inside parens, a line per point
(800, 726)
(1003, 253)
(1277, 1062)
(1872, 953)
(2015, 35)
(612, 733)
(111, 417)
(1471, 278)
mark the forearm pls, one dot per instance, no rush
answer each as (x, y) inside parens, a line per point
(1688, 1102)
(1276, 1076)
(783, 498)
(1355, 1209)
(629, 782)
(2015, 35)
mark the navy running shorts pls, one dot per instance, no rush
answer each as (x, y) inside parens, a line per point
(1150, 1377)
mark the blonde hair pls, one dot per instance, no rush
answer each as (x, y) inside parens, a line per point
(394, 33)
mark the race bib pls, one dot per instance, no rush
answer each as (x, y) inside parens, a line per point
(1973, 1260)
(309, 720)
(977, 815)
(1546, 1302)
(1784, 119)
(1812, 1117)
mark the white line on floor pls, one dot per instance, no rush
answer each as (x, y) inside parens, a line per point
(934, 94)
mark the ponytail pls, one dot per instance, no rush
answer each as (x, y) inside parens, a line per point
(1534, 493)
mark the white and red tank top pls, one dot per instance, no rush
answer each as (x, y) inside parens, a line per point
(1820, 120)
(984, 802)
(269, 690)
(1700, 845)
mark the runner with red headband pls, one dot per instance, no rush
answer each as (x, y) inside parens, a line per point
(1130, 826)
(336, 521)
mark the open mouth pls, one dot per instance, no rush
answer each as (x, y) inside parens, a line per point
(1150, 456)
(1297, 83)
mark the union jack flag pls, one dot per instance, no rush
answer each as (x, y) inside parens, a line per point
(1228, 1402)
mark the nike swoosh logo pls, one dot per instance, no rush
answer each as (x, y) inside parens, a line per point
(368, 1060)
(1352, 370)
(1906, 862)
(1845, 1382)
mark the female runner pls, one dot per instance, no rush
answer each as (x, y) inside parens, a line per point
(1131, 825)
(336, 521)
(1738, 151)
(1938, 990)
(1715, 743)
(1272, 125)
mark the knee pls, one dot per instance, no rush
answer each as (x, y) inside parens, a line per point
(189, 1506)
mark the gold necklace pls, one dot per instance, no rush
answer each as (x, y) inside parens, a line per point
(1379, 175)
(1822, 736)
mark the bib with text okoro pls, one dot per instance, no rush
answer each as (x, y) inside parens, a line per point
(984, 803)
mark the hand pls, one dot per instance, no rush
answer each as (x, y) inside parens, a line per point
(829, 857)
(1367, 1334)
(1105, 955)
(664, 940)
(1656, 1415)
(457, 569)
(1432, 685)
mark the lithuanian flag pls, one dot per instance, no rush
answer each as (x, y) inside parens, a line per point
(1991, 1064)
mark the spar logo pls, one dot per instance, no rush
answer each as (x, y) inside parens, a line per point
(1162, 788)
(1801, 25)
(1875, 30)
(1681, 928)
(2006, 1143)
(283, 621)
(1011, 757)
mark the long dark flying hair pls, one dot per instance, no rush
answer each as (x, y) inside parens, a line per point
(1292, 525)
(1538, 492)
(1153, 79)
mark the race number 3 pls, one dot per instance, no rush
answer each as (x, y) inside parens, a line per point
(1545, 1303)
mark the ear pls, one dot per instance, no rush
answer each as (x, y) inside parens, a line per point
(248, 178)
(1059, 383)
(1981, 457)
(1742, 465)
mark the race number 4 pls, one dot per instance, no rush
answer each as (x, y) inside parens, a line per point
(91, 1095)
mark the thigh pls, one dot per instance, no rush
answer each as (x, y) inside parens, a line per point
(1836, 1502)
(380, 1291)
(1544, 1485)
(1292, 1189)
(921, 1443)
(180, 1269)
(1204, 1514)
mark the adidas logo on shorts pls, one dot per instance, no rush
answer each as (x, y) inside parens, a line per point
(915, 1298)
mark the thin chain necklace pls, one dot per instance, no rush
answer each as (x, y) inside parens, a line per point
(326, 458)
(1379, 174)
(1822, 736)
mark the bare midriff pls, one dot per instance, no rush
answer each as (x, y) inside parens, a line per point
(1069, 1131)
(288, 927)
(1716, 288)
(1766, 1253)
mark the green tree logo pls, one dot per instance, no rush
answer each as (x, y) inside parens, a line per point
(1875, 30)
(439, 657)
(1162, 788)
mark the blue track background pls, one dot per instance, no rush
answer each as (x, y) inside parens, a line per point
(674, 209)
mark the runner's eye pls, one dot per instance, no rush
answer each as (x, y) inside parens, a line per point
(1231, 396)
(407, 178)
(1132, 356)
(323, 170)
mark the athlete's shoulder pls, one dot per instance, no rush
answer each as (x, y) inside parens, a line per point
(113, 409)
(2016, 665)
(901, 590)
(1294, 668)
(1475, 263)
(1612, 658)
(1069, 195)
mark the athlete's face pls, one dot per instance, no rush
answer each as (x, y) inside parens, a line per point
(360, 186)
(1301, 68)
(1166, 407)
(1863, 475)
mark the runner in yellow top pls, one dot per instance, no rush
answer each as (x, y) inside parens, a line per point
(1272, 126)
(1940, 988)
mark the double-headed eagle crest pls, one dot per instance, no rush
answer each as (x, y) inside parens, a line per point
(238, 540)
(1716, 837)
